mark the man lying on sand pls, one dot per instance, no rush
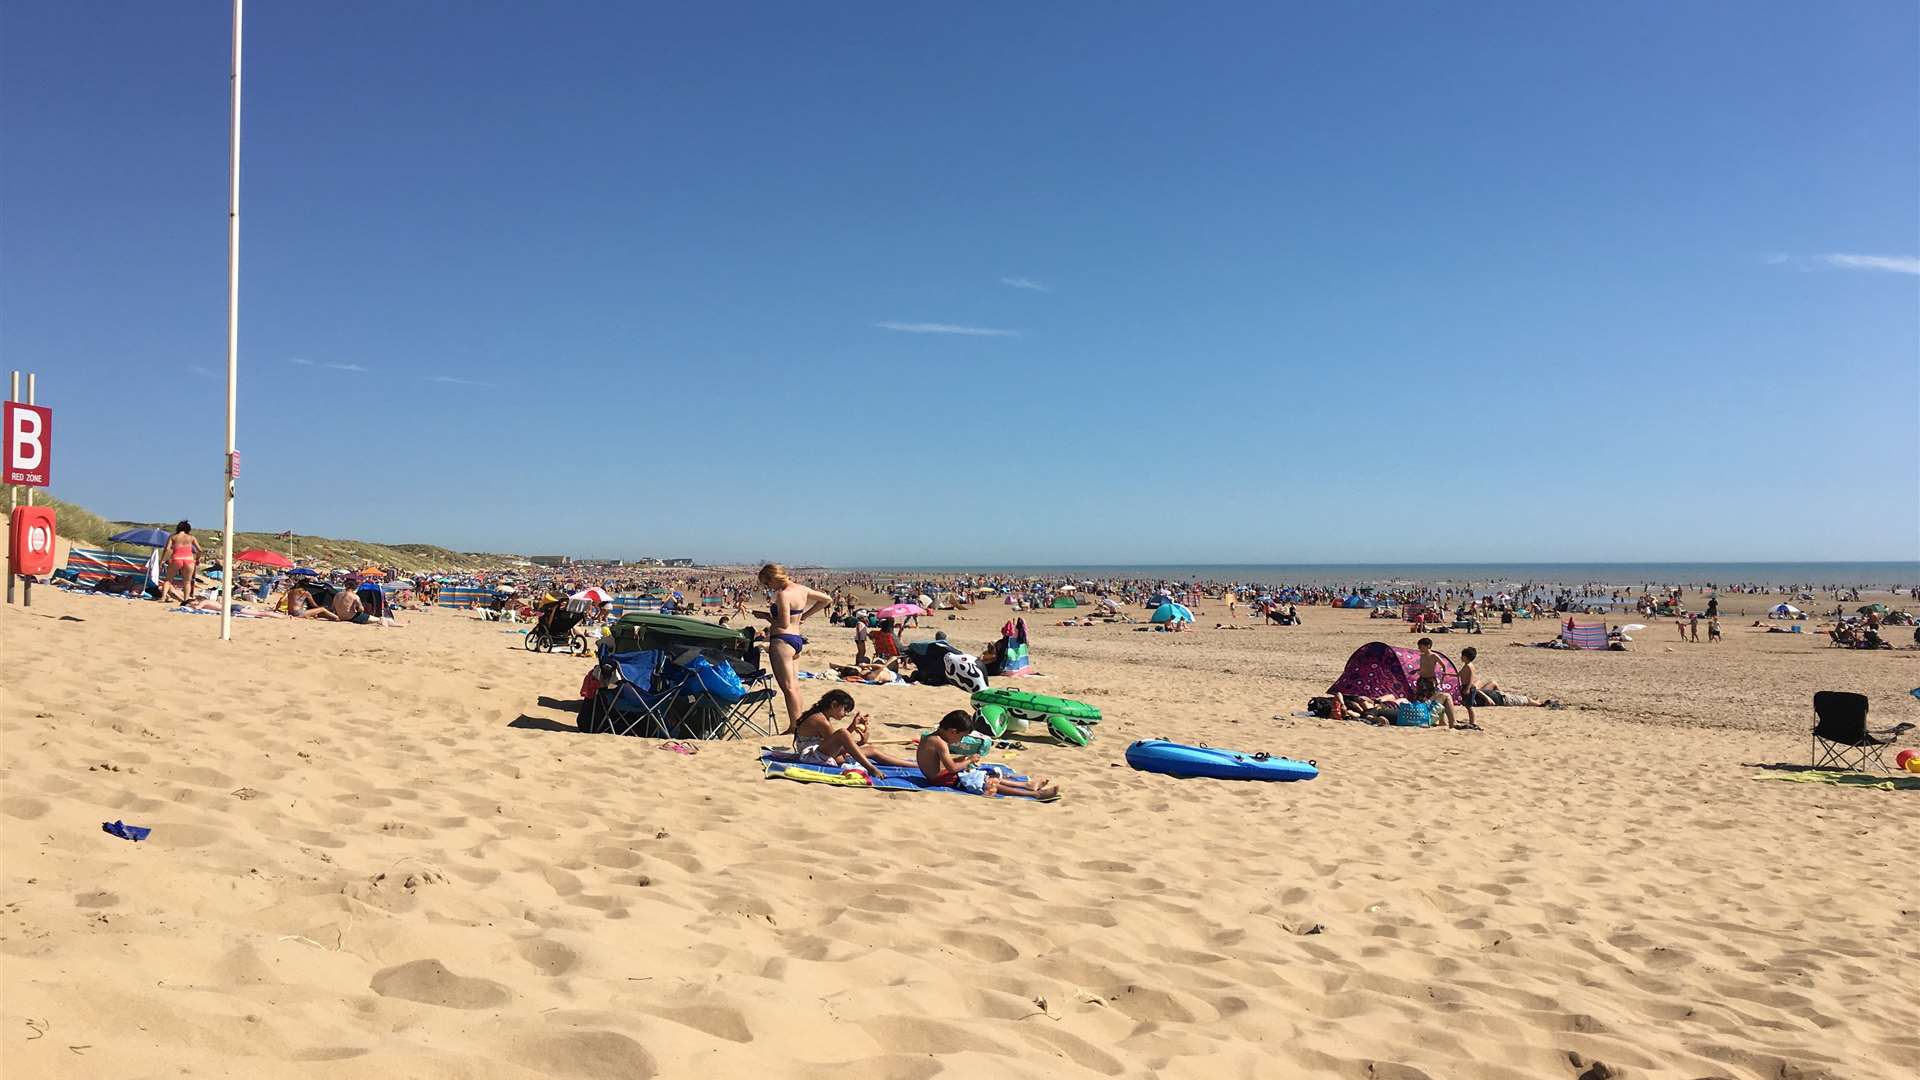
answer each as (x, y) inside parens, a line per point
(941, 768)
(874, 673)
(1475, 690)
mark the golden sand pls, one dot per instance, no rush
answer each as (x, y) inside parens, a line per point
(387, 853)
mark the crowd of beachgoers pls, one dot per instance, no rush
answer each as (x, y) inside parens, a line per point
(180, 572)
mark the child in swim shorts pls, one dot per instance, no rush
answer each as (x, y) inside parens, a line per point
(941, 768)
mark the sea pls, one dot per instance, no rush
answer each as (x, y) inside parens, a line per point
(1897, 577)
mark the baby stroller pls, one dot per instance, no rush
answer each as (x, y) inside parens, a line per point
(558, 627)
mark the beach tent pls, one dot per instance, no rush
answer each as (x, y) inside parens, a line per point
(1872, 609)
(1783, 611)
(1167, 613)
(1159, 598)
(1290, 596)
(1357, 601)
(1377, 668)
(1065, 602)
(1579, 635)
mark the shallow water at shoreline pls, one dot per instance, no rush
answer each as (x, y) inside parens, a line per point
(1876, 576)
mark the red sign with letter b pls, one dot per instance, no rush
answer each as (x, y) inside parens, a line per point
(28, 439)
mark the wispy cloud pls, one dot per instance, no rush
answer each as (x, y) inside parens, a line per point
(945, 328)
(452, 380)
(1025, 283)
(303, 362)
(1896, 264)
(201, 369)
(299, 361)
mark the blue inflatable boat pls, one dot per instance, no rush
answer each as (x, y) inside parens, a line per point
(1178, 759)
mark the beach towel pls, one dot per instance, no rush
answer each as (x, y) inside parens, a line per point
(124, 831)
(778, 764)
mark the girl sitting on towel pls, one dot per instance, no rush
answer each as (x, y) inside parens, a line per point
(816, 739)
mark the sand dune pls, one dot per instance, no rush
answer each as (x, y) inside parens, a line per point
(386, 853)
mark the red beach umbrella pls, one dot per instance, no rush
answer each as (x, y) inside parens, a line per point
(263, 557)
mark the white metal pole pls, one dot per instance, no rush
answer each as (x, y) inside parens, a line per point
(13, 493)
(30, 400)
(233, 328)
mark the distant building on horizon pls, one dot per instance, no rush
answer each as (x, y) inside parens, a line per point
(549, 560)
(676, 562)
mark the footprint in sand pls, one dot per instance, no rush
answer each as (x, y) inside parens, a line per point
(429, 982)
(549, 956)
(585, 1053)
(24, 807)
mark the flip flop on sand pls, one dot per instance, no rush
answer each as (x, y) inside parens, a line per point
(680, 747)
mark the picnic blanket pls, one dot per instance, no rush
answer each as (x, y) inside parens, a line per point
(780, 765)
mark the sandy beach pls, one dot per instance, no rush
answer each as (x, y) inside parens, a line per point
(389, 853)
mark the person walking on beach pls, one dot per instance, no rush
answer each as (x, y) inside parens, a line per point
(180, 559)
(860, 637)
(789, 604)
(1693, 627)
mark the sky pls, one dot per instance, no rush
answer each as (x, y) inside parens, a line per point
(914, 284)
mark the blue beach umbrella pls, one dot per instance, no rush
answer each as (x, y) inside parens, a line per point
(1172, 613)
(146, 537)
(304, 571)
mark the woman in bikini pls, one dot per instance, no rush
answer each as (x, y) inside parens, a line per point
(789, 604)
(179, 560)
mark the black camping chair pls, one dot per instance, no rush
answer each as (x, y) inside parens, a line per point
(1841, 737)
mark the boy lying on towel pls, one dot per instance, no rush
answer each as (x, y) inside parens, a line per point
(941, 768)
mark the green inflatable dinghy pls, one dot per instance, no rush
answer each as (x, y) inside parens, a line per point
(1035, 707)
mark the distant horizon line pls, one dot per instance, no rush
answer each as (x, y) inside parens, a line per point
(1499, 564)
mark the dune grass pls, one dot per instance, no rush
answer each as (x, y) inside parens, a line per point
(84, 528)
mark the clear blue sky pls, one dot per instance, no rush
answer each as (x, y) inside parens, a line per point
(1270, 283)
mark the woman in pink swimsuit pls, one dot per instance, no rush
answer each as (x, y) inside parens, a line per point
(179, 561)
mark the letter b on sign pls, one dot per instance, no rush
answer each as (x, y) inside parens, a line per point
(28, 444)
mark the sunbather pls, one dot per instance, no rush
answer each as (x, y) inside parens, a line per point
(300, 605)
(874, 673)
(941, 768)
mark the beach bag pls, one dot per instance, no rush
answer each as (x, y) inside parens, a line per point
(1414, 714)
(716, 680)
(1321, 707)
